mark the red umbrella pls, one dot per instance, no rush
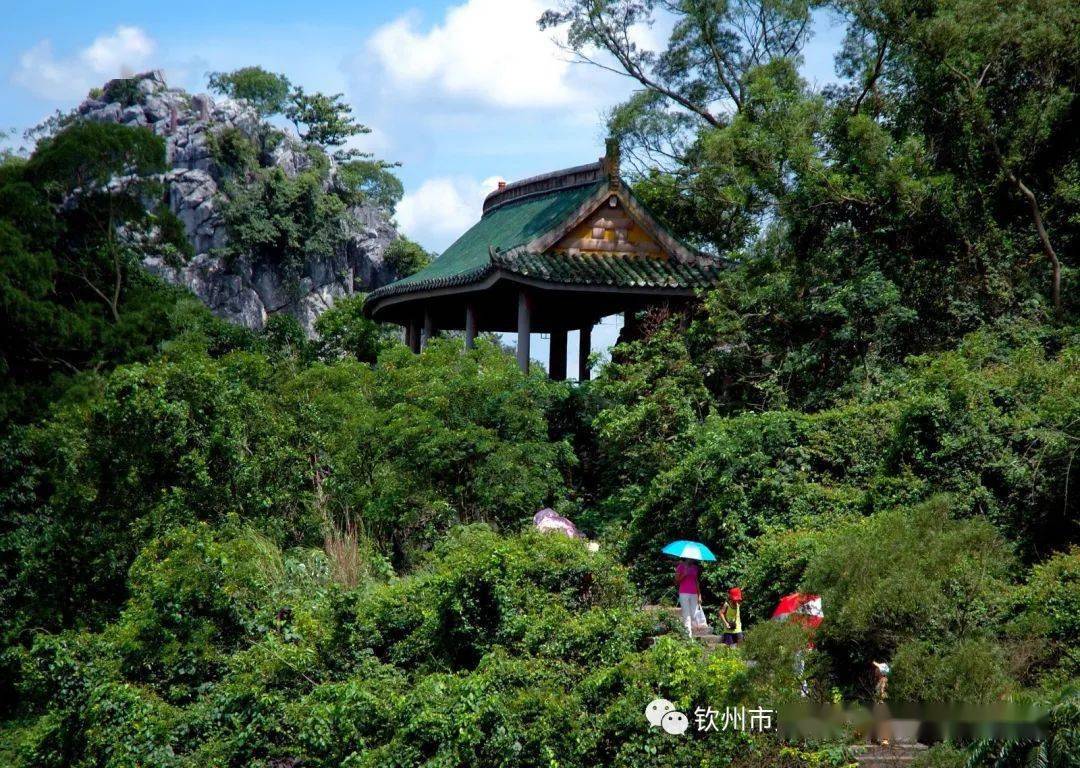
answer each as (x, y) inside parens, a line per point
(800, 607)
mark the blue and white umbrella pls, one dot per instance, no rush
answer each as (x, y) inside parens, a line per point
(691, 550)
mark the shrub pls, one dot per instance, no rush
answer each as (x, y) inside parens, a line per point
(345, 330)
(773, 566)
(234, 152)
(195, 597)
(970, 671)
(902, 575)
(988, 423)
(650, 395)
(782, 663)
(444, 437)
(157, 445)
(744, 475)
(481, 590)
(405, 257)
(1048, 609)
(123, 89)
(337, 723)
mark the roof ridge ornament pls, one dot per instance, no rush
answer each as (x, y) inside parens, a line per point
(610, 162)
(544, 184)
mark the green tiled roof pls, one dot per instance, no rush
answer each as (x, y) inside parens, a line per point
(506, 227)
(622, 270)
(498, 240)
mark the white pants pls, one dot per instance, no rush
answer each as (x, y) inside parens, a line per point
(687, 608)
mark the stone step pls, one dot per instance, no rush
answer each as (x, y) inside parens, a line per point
(708, 638)
(886, 756)
(661, 609)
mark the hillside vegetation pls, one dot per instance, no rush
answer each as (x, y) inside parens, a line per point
(222, 547)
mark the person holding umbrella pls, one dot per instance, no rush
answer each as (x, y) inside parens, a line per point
(686, 577)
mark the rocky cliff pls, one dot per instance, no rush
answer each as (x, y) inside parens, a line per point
(244, 290)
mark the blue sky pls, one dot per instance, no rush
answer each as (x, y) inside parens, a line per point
(461, 93)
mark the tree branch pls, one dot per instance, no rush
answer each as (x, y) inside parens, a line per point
(634, 70)
(1044, 239)
(101, 295)
(872, 78)
(721, 63)
(1017, 182)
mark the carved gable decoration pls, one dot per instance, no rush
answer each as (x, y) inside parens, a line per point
(609, 230)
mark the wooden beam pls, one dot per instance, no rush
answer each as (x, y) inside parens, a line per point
(374, 309)
(524, 328)
(584, 350)
(557, 359)
(470, 325)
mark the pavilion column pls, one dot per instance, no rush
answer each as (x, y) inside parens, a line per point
(557, 361)
(584, 350)
(524, 328)
(630, 323)
(470, 325)
(412, 335)
(429, 328)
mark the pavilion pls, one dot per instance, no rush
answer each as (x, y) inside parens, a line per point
(550, 254)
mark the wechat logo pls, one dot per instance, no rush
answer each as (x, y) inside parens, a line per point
(661, 713)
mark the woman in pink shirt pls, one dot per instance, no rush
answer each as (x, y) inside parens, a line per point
(686, 578)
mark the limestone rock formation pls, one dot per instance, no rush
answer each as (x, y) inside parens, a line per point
(243, 290)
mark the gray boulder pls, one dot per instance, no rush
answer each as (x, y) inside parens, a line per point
(107, 113)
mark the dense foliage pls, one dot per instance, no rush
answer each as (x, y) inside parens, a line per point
(226, 548)
(230, 651)
(933, 189)
(74, 299)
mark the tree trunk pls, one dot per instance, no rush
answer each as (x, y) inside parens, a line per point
(1044, 238)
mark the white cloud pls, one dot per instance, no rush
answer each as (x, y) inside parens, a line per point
(122, 52)
(486, 50)
(442, 208)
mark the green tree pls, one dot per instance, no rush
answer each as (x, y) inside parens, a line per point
(711, 50)
(76, 299)
(992, 87)
(648, 399)
(943, 581)
(696, 84)
(406, 257)
(969, 671)
(369, 181)
(320, 119)
(885, 216)
(268, 92)
(345, 330)
(284, 219)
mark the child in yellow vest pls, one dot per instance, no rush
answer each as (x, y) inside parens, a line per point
(731, 619)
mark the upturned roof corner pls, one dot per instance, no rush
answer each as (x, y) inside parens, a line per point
(571, 229)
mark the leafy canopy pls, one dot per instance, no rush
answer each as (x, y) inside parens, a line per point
(268, 92)
(321, 119)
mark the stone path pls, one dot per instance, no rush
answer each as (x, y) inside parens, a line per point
(890, 756)
(667, 612)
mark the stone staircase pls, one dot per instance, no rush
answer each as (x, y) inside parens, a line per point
(896, 755)
(668, 620)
